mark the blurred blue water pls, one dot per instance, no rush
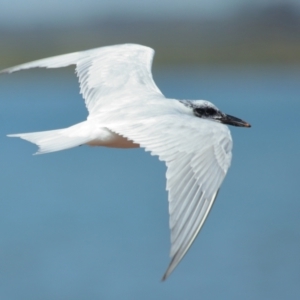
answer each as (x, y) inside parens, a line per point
(91, 223)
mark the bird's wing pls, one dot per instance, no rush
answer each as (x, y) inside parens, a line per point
(106, 74)
(197, 153)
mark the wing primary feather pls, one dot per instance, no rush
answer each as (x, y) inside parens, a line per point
(186, 231)
(175, 259)
(178, 254)
(180, 180)
(179, 226)
(184, 195)
(180, 171)
(174, 200)
(195, 221)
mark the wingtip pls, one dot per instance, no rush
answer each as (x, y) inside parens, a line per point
(8, 70)
(4, 72)
(168, 271)
(165, 276)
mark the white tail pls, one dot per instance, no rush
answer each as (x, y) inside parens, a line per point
(60, 139)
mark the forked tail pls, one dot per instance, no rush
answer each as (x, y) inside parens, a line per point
(60, 139)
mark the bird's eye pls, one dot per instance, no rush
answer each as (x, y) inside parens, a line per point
(210, 111)
(200, 111)
(205, 112)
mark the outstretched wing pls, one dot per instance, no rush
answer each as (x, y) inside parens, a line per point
(197, 153)
(106, 73)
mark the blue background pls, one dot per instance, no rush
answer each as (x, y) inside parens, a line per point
(92, 223)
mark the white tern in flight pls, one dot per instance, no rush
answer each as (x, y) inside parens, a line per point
(127, 110)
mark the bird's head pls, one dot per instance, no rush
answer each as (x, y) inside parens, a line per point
(206, 110)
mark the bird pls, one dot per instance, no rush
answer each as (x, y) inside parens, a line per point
(126, 109)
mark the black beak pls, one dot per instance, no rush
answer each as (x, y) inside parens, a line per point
(230, 120)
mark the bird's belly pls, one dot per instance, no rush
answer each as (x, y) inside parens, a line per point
(107, 138)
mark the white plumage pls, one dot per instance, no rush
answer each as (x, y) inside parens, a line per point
(126, 109)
